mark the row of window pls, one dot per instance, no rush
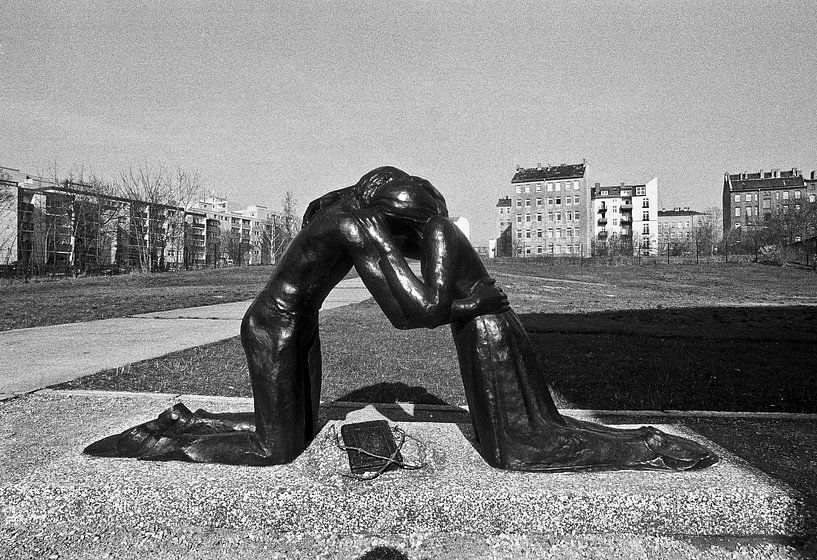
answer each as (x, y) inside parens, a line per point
(645, 203)
(551, 186)
(570, 216)
(639, 191)
(679, 225)
(551, 233)
(785, 195)
(550, 201)
(749, 212)
(672, 235)
(555, 249)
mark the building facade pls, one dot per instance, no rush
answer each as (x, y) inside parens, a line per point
(678, 227)
(749, 198)
(223, 237)
(625, 218)
(68, 228)
(48, 227)
(548, 212)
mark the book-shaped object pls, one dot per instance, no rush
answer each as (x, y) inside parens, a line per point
(374, 437)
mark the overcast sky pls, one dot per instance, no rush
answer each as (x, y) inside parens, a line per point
(309, 96)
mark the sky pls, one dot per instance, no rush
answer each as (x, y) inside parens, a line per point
(307, 96)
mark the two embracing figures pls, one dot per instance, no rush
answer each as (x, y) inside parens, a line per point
(374, 226)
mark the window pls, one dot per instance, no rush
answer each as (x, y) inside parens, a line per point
(645, 203)
(527, 234)
(538, 187)
(550, 248)
(538, 217)
(576, 199)
(527, 250)
(538, 202)
(785, 195)
(646, 230)
(686, 224)
(558, 185)
(527, 202)
(550, 217)
(527, 188)
(558, 202)
(558, 233)
(558, 216)
(550, 187)
(550, 202)
(539, 233)
(748, 197)
(527, 218)
(519, 234)
(569, 232)
(797, 195)
(737, 212)
(558, 249)
(539, 250)
(576, 186)
(518, 189)
(604, 192)
(615, 222)
(576, 216)
(569, 217)
(737, 198)
(640, 191)
(645, 215)
(811, 198)
(519, 202)
(748, 211)
(550, 232)
(767, 203)
(519, 219)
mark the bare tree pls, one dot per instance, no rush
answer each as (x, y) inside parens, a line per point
(8, 219)
(789, 224)
(156, 221)
(287, 226)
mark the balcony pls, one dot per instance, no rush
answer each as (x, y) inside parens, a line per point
(602, 234)
(602, 221)
(626, 206)
(602, 210)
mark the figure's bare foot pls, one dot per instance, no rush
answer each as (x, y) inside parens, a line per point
(569, 448)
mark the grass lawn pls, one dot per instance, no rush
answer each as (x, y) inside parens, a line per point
(707, 337)
(54, 302)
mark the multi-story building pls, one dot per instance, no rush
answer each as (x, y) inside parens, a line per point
(68, 227)
(626, 218)
(678, 226)
(748, 198)
(47, 226)
(548, 212)
(223, 236)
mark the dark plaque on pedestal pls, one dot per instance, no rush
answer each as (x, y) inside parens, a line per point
(376, 439)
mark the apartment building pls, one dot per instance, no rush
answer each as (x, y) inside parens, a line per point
(749, 197)
(678, 226)
(219, 236)
(66, 227)
(547, 213)
(625, 218)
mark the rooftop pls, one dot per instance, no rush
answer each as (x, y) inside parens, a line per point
(679, 212)
(549, 172)
(503, 202)
(766, 180)
(612, 192)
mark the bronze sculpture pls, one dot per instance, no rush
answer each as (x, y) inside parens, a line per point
(374, 226)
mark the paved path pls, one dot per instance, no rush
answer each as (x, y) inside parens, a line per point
(37, 357)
